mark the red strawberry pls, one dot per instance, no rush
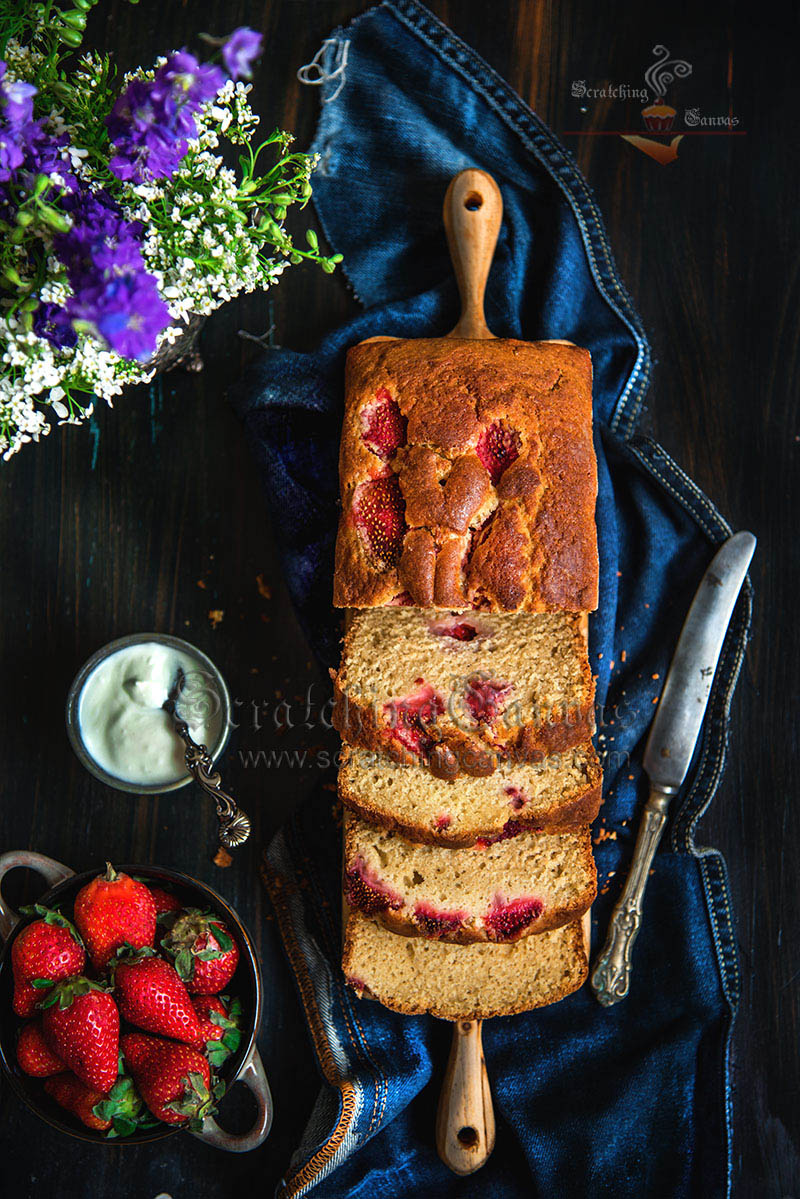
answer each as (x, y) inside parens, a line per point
(34, 1054)
(205, 1007)
(113, 910)
(45, 951)
(497, 448)
(69, 1092)
(165, 901)
(81, 1025)
(174, 1080)
(152, 996)
(379, 514)
(219, 1027)
(383, 426)
(204, 952)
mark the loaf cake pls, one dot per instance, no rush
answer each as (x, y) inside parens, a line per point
(499, 890)
(462, 982)
(460, 694)
(563, 791)
(468, 477)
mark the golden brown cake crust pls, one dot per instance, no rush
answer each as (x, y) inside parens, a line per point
(473, 465)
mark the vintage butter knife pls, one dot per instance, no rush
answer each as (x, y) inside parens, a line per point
(670, 745)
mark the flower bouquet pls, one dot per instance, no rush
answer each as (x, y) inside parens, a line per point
(121, 223)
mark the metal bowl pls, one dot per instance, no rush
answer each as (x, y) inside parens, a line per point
(244, 1066)
(217, 691)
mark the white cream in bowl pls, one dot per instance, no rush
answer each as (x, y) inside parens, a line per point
(122, 724)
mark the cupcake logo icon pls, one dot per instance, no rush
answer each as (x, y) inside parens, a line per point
(660, 116)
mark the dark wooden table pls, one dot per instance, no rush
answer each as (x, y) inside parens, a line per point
(152, 518)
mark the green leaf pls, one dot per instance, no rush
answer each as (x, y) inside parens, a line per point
(222, 938)
(41, 984)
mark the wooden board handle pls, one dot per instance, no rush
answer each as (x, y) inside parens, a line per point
(465, 1119)
(473, 213)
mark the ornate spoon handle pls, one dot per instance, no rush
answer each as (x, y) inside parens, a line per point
(234, 825)
(612, 971)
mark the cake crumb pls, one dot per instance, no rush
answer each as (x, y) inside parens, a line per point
(222, 858)
(605, 834)
(623, 655)
(201, 583)
(216, 616)
(264, 589)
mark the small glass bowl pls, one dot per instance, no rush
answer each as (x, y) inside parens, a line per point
(216, 684)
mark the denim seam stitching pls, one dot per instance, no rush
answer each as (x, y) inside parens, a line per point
(380, 1080)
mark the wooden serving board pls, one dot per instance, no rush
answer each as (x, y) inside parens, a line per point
(465, 1124)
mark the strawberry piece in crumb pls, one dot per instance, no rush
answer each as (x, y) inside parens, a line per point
(497, 448)
(383, 426)
(379, 516)
(365, 891)
(506, 921)
(434, 923)
(410, 717)
(485, 699)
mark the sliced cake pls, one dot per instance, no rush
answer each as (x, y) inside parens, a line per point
(461, 693)
(468, 477)
(462, 982)
(498, 890)
(562, 791)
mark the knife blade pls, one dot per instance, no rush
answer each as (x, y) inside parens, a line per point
(684, 699)
(670, 746)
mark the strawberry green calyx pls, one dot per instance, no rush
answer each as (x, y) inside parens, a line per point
(54, 917)
(64, 992)
(123, 1107)
(219, 1051)
(197, 1101)
(129, 954)
(188, 933)
(111, 874)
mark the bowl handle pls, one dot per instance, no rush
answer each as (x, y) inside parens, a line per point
(51, 871)
(254, 1077)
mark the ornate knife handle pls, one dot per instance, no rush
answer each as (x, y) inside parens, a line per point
(234, 825)
(612, 972)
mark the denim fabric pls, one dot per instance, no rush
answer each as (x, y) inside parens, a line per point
(623, 1102)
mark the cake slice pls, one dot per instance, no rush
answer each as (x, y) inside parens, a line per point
(468, 477)
(562, 791)
(462, 982)
(462, 693)
(494, 891)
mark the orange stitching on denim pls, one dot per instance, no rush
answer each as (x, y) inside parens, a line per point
(380, 1080)
(276, 885)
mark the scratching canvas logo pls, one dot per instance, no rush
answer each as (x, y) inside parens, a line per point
(660, 120)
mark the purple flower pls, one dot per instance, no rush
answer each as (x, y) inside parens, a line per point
(152, 121)
(16, 111)
(240, 51)
(16, 99)
(54, 324)
(126, 310)
(112, 291)
(186, 81)
(11, 155)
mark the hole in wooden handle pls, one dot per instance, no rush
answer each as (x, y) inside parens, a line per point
(468, 1137)
(473, 202)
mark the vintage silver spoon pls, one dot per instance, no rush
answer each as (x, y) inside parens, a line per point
(234, 825)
